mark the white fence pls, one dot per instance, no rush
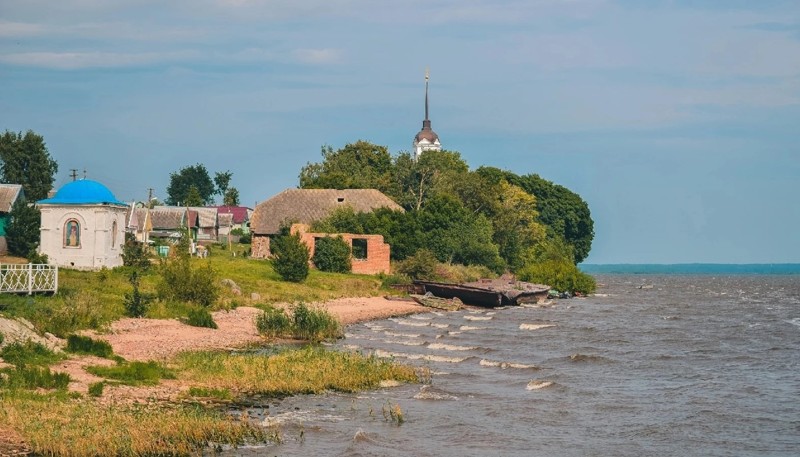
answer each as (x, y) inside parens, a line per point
(28, 278)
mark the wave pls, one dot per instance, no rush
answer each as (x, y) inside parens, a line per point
(430, 358)
(587, 358)
(410, 323)
(450, 347)
(432, 393)
(534, 326)
(402, 335)
(465, 328)
(478, 318)
(505, 365)
(795, 321)
(405, 343)
(536, 385)
(421, 317)
(440, 325)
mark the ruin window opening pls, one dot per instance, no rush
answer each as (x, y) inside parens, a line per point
(359, 249)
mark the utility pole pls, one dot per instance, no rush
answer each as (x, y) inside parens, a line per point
(74, 174)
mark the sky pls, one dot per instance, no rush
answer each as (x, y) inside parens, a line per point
(677, 121)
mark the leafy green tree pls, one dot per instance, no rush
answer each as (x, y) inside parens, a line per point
(181, 183)
(25, 161)
(22, 231)
(516, 227)
(290, 258)
(360, 165)
(134, 253)
(563, 276)
(434, 173)
(193, 197)
(222, 179)
(231, 197)
(332, 254)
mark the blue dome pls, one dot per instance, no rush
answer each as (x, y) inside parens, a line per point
(83, 192)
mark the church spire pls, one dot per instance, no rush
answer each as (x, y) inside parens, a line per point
(426, 139)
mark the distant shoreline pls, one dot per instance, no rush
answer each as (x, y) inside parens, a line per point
(695, 268)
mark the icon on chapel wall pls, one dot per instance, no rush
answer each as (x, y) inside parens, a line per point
(73, 234)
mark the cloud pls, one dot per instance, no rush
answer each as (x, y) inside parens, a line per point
(19, 29)
(78, 60)
(317, 56)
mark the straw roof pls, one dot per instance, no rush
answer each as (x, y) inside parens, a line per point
(309, 205)
(8, 195)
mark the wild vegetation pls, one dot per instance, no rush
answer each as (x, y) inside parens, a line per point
(305, 323)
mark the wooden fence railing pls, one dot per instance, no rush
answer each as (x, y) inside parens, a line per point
(28, 278)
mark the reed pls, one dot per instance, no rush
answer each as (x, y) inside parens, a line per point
(309, 370)
(314, 324)
(62, 427)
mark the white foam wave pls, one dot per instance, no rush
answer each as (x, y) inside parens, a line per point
(405, 343)
(351, 347)
(465, 328)
(374, 326)
(506, 365)
(795, 321)
(536, 385)
(431, 358)
(450, 347)
(454, 333)
(421, 317)
(426, 393)
(534, 326)
(478, 318)
(440, 325)
(402, 335)
(412, 324)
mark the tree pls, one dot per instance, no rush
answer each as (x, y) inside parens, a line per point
(231, 197)
(516, 227)
(181, 182)
(332, 254)
(360, 165)
(193, 197)
(25, 161)
(22, 231)
(290, 258)
(223, 180)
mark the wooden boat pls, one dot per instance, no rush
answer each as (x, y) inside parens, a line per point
(446, 304)
(490, 293)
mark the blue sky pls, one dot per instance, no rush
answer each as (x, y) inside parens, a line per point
(677, 121)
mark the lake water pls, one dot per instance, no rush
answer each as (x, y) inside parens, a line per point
(694, 365)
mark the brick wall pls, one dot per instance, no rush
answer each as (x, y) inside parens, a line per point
(260, 247)
(378, 252)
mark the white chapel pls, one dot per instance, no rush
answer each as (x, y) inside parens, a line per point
(426, 139)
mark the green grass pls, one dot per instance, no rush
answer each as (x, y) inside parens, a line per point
(305, 323)
(206, 392)
(133, 373)
(33, 377)
(84, 345)
(96, 389)
(29, 353)
(200, 317)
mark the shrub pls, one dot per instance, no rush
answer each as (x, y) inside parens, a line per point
(22, 232)
(96, 389)
(273, 322)
(421, 265)
(314, 324)
(180, 281)
(134, 253)
(290, 258)
(200, 317)
(85, 345)
(2, 338)
(135, 302)
(29, 353)
(32, 377)
(560, 275)
(332, 254)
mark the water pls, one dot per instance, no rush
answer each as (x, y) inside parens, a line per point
(696, 365)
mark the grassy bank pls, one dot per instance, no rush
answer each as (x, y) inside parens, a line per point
(92, 300)
(62, 423)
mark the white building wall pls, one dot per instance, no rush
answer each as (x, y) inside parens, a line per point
(99, 246)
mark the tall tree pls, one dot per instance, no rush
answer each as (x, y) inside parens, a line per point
(360, 165)
(25, 161)
(22, 231)
(231, 197)
(223, 180)
(182, 181)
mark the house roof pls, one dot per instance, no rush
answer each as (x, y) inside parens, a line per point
(137, 217)
(207, 216)
(168, 217)
(82, 192)
(226, 220)
(8, 195)
(240, 213)
(309, 205)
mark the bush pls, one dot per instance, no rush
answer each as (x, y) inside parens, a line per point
(2, 338)
(85, 345)
(180, 281)
(290, 258)
(332, 254)
(273, 322)
(200, 317)
(560, 275)
(96, 389)
(314, 324)
(29, 353)
(31, 377)
(135, 302)
(134, 253)
(22, 232)
(421, 265)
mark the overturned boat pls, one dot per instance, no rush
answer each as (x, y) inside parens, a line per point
(489, 293)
